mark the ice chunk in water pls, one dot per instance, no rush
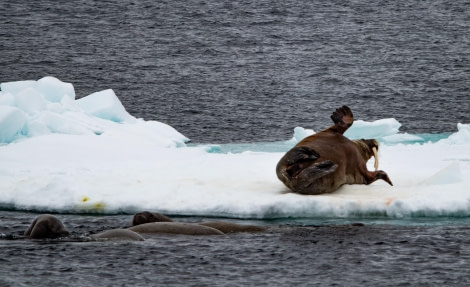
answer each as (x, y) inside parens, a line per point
(54, 90)
(461, 137)
(12, 121)
(18, 86)
(105, 105)
(373, 130)
(301, 133)
(30, 101)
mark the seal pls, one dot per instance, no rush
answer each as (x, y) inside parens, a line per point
(46, 226)
(323, 162)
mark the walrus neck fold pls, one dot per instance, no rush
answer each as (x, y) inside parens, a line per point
(367, 149)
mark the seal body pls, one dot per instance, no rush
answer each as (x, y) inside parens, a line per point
(323, 162)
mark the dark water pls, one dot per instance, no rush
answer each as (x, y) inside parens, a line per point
(247, 71)
(231, 71)
(341, 255)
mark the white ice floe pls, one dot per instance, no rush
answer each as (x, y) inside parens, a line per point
(90, 155)
(48, 106)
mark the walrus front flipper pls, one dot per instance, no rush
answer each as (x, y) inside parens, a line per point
(343, 119)
(376, 175)
(297, 159)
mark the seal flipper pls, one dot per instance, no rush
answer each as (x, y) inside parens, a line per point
(343, 119)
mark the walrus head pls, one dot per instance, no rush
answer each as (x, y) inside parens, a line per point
(46, 226)
(146, 217)
(368, 148)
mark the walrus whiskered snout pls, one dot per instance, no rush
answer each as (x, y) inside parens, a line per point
(369, 148)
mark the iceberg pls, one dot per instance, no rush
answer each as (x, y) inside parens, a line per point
(105, 105)
(48, 106)
(373, 130)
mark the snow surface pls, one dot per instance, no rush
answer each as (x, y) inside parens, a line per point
(89, 155)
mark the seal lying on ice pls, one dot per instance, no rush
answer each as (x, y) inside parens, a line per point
(323, 162)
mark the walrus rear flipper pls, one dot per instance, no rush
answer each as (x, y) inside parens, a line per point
(343, 119)
(307, 181)
(297, 159)
(320, 169)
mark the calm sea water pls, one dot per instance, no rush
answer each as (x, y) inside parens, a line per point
(244, 71)
(247, 71)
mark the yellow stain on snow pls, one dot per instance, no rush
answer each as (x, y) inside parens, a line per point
(98, 206)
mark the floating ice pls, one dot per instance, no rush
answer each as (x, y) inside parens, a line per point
(54, 90)
(105, 105)
(90, 155)
(12, 121)
(301, 133)
(18, 86)
(385, 130)
(461, 137)
(48, 106)
(373, 130)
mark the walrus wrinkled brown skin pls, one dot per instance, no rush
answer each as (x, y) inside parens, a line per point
(228, 227)
(174, 228)
(118, 234)
(225, 227)
(46, 226)
(146, 217)
(323, 162)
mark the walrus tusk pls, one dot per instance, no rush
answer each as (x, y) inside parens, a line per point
(376, 156)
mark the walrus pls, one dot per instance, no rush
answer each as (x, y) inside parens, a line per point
(229, 227)
(46, 226)
(117, 234)
(147, 216)
(175, 228)
(323, 162)
(225, 227)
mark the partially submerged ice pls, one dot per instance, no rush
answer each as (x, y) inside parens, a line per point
(47, 106)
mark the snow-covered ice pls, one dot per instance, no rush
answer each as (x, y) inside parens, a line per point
(89, 155)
